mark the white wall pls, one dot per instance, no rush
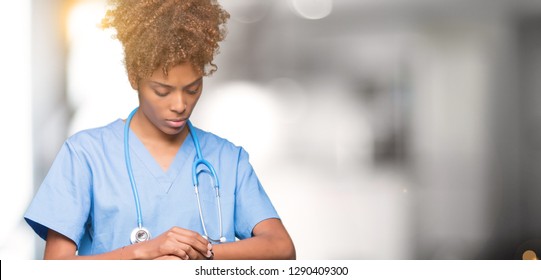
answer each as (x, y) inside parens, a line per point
(16, 184)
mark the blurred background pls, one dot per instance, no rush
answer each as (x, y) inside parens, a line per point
(381, 129)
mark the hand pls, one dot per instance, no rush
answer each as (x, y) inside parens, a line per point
(176, 243)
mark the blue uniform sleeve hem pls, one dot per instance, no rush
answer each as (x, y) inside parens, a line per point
(41, 230)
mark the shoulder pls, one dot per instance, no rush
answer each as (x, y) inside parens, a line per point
(214, 143)
(110, 130)
(96, 137)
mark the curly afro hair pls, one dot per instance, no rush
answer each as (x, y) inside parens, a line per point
(165, 33)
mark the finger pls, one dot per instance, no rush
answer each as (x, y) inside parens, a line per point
(190, 233)
(182, 251)
(193, 239)
(186, 252)
(194, 254)
(203, 249)
(167, 244)
(170, 243)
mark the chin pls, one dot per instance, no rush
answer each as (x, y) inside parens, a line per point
(173, 130)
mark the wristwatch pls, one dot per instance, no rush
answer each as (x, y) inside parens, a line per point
(211, 255)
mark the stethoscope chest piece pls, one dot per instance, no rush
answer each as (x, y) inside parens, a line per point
(139, 234)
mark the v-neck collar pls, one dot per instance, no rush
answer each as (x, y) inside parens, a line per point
(164, 178)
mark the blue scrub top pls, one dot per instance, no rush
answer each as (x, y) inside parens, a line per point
(87, 196)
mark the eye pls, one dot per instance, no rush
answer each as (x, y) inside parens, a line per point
(193, 91)
(160, 93)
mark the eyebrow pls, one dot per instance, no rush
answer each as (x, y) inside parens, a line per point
(184, 87)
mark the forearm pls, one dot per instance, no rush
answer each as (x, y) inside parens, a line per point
(131, 252)
(270, 242)
(176, 243)
(254, 248)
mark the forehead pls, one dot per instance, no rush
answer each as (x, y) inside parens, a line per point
(178, 75)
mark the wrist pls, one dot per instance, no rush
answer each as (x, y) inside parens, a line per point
(131, 252)
(123, 253)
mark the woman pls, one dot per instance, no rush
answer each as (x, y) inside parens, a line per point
(85, 207)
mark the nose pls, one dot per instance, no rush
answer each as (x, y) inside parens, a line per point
(178, 104)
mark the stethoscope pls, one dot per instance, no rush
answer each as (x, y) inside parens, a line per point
(140, 233)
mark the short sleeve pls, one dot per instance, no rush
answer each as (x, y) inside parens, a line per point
(62, 202)
(252, 203)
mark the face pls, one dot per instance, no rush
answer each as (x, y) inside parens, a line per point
(166, 102)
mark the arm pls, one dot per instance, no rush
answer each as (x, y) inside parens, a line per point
(176, 243)
(270, 241)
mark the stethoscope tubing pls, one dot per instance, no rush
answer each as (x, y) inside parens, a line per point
(201, 161)
(140, 230)
(130, 170)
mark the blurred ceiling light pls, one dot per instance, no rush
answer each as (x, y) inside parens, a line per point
(98, 89)
(529, 255)
(312, 9)
(247, 11)
(83, 20)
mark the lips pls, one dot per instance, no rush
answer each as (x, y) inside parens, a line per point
(175, 123)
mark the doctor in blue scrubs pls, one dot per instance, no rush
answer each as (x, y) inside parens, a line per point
(86, 207)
